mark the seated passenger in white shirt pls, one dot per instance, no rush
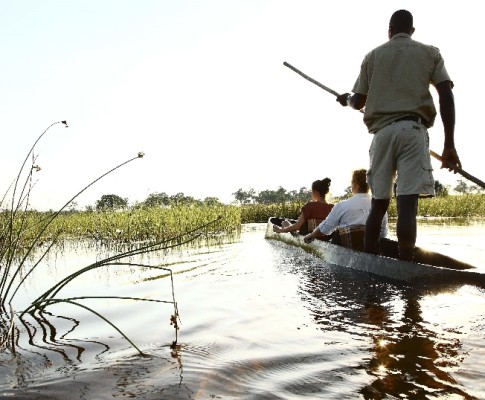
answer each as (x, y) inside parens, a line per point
(350, 212)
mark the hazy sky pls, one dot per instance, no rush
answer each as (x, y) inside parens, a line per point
(200, 88)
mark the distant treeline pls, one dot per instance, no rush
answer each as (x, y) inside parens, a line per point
(282, 195)
(244, 197)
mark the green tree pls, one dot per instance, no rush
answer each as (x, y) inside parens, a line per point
(347, 192)
(272, 196)
(461, 187)
(301, 195)
(181, 199)
(111, 202)
(440, 189)
(211, 201)
(244, 196)
(157, 200)
(72, 206)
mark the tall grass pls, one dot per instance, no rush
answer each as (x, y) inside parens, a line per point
(149, 224)
(261, 212)
(457, 206)
(465, 205)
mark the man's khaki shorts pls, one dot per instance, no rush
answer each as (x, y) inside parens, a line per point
(400, 150)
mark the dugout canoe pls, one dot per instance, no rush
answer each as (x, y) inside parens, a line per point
(428, 267)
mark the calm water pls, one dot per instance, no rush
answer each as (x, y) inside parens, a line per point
(259, 320)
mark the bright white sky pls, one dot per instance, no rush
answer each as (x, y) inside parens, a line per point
(200, 88)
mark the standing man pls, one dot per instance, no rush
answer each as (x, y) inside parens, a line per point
(393, 86)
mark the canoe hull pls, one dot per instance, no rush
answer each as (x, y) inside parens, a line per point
(430, 267)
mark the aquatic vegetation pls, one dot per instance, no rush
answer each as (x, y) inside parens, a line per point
(26, 237)
(261, 212)
(50, 296)
(149, 224)
(456, 206)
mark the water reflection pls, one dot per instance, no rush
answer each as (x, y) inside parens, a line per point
(408, 358)
(413, 359)
(43, 333)
(259, 320)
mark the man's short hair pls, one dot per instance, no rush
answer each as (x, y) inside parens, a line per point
(401, 21)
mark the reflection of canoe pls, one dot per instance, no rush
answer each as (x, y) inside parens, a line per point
(429, 266)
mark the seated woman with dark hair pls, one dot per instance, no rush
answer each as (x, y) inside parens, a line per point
(312, 213)
(346, 221)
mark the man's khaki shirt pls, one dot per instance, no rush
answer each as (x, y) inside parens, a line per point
(396, 78)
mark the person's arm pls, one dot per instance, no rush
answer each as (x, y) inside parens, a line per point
(355, 101)
(450, 157)
(313, 235)
(294, 227)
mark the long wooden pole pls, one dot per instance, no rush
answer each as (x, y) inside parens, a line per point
(435, 155)
(311, 79)
(460, 171)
